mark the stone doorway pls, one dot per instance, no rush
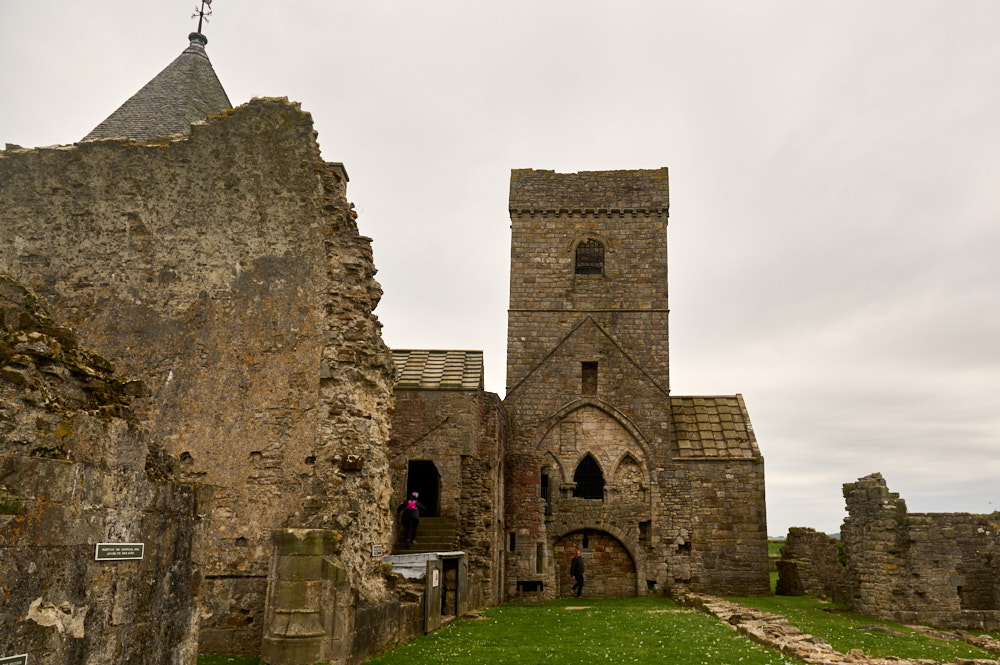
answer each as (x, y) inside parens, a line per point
(609, 571)
(423, 477)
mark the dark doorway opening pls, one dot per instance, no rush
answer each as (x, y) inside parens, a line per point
(423, 477)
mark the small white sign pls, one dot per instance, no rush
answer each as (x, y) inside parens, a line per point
(116, 552)
(15, 660)
(376, 550)
(435, 577)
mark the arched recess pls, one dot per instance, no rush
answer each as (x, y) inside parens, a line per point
(630, 479)
(609, 568)
(555, 467)
(559, 535)
(623, 420)
(575, 241)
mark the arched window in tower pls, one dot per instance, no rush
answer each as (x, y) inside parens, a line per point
(589, 480)
(590, 257)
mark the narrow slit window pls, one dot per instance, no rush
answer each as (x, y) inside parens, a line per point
(590, 257)
(588, 379)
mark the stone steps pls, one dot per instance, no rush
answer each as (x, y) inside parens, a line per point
(435, 534)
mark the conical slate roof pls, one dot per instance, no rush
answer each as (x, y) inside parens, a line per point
(186, 92)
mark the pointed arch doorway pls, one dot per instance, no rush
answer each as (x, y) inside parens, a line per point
(609, 571)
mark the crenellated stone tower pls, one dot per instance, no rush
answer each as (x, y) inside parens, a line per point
(656, 490)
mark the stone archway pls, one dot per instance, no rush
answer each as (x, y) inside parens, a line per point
(609, 571)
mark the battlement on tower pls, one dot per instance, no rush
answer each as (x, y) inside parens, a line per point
(645, 190)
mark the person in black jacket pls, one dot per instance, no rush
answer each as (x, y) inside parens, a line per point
(409, 512)
(576, 572)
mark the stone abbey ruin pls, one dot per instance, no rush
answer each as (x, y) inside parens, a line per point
(191, 374)
(940, 569)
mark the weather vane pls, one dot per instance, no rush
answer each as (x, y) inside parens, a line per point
(202, 14)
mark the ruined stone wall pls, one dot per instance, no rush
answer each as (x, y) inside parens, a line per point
(225, 269)
(465, 433)
(810, 565)
(77, 470)
(938, 568)
(481, 532)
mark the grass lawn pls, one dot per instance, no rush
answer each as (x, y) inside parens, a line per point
(840, 630)
(573, 631)
(645, 630)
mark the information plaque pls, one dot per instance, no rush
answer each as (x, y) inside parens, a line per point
(376, 550)
(116, 552)
(15, 660)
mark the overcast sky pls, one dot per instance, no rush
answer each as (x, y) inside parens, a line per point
(835, 188)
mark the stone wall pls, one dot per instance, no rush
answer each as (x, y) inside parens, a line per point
(609, 571)
(726, 527)
(77, 470)
(810, 565)
(465, 433)
(938, 568)
(588, 376)
(225, 269)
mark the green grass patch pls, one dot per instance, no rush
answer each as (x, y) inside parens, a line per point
(633, 630)
(840, 629)
(229, 660)
(11, 507)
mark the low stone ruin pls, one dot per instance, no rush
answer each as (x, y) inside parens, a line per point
(809, 565)
(942, 569)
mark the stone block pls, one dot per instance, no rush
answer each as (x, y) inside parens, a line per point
(305, 542)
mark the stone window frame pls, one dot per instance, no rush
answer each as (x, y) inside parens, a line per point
(586, 487)
(589, 378)
(606, 251)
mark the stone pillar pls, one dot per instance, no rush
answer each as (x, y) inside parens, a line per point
(306, 618)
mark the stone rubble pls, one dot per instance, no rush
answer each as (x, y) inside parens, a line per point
(774, 631)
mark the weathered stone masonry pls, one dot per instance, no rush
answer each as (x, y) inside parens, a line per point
(444, 417)
(76, 470)
(938, 568)
(226, 271)
(588, 388)
(810, 565)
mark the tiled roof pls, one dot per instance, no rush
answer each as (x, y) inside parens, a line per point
(439, 370)
(184, 93)
(716, 426)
